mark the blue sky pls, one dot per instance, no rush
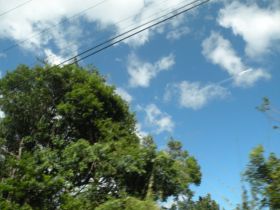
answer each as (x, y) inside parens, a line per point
(197, 78)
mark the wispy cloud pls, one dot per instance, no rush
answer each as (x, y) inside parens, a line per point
(219, 51)
(120, 16)
(124, 94)
(194, 95)
(259, 27)
(158, 120)
(140, 132)
(142, 72)
(177, 33)
(3, 55)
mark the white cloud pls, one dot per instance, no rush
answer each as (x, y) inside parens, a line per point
(165, 63)
(40, 15)
(52, 58)
(157, 119)
(142, 72)
(259, 27)
(177, 33)
(2, 114)
(124, 95)
(139, 131)
(194, 95)
(219, 51)
(3, 55)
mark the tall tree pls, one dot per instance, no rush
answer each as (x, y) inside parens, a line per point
(68, 141)
(264, 176)
(246, 204)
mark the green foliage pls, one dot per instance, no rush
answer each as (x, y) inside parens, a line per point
(203, 203)
(270, 112)
(68, 141)
(265, 106)
(264, 176)
(128, 203)
(247, 204)
(179, 168)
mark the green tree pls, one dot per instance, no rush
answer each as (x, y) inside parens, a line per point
(247, 202)
(68, 141)
(203, 203)
(263, 174)
(128, 203)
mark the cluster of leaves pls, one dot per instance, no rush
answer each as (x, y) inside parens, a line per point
(272, 113)
(249, 202)
(68, 141)
(203, 203)
(264, 177)
(128, 203)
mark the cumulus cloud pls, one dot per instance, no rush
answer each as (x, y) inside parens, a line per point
(259, 27)
(194, 95)
(46, 15)
(142, 72)
(219, 51)
(124, 94)
(157, 119)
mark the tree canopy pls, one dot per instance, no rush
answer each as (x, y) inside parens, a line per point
(68, 141)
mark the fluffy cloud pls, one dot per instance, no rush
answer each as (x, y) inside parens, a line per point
(219, 51)
(52, 58)
(259, 27)
(142, 72)
(28, 21)
(124, 95)
(194, 95)
(157, 119)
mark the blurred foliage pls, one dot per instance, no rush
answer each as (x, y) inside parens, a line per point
(263, 174)
(128, 203)
(187, 203)
(272, 113)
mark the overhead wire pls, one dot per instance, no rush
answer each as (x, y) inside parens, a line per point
(14, 8)
(36, 34)
(110, 42)
(100, 39)
(157, 23)
(17, 44)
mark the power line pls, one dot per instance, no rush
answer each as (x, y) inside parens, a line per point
(123, 20)
(144, 29)
(128, 31)
(49, 28)
(16, 7)
(110, 43)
